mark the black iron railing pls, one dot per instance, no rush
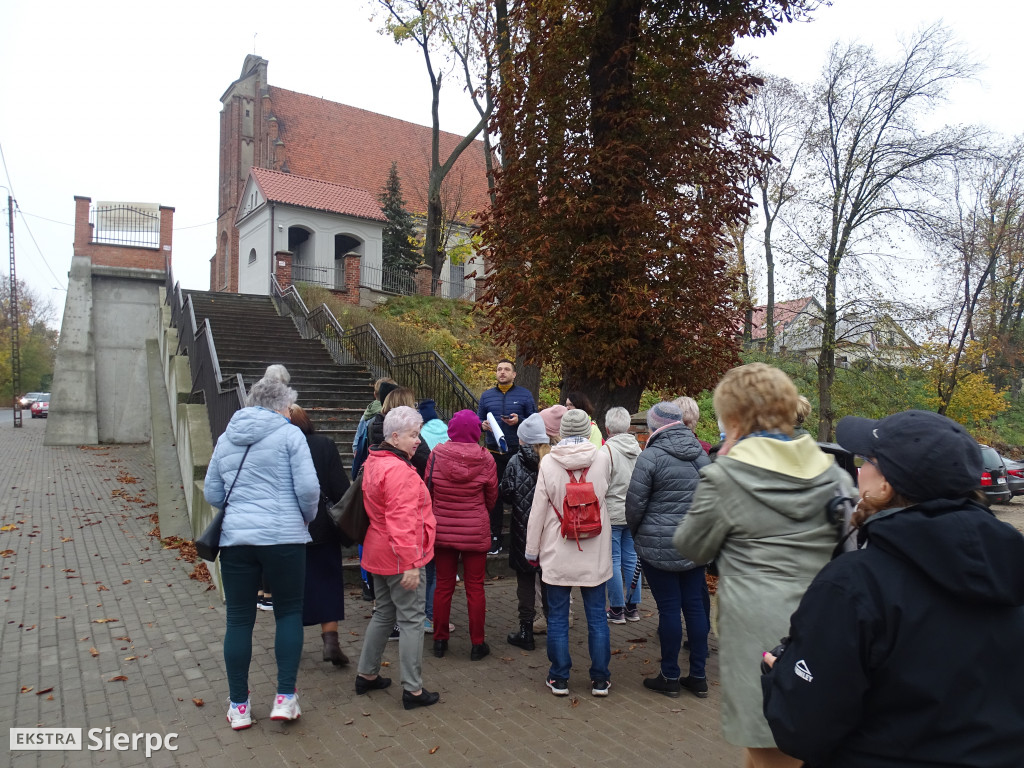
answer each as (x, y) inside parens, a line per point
(388, 279)
(328, 278)
(426, 373)
(223, 397)
(126, 225)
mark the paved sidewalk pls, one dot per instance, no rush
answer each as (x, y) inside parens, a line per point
(102, 627)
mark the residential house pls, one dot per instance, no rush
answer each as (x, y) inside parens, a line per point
(859, 336)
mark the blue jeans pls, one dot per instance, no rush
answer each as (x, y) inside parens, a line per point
(598, 638)
(431, 573)
(624, 563)
(675, 592)
(243, 570)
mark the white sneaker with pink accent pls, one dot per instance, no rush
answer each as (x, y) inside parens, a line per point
(239, 716)
(286, 707)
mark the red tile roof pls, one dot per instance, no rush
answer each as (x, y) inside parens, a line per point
(785, 313)
(319, 195)
(345, 145)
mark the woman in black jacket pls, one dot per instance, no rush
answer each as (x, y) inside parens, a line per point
(907, 652)
(516, 488)
(324, 600)
(660, 491)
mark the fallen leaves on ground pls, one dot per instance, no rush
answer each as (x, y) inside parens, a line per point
(45, 690)
(26, 688)
(103, 621)
(198, 702)
(117, 678)
(94, 652)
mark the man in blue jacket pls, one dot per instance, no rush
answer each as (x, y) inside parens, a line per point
(510, 405)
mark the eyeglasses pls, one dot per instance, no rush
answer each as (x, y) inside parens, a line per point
(868, 460)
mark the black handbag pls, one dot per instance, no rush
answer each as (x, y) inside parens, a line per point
(349, 514)
(208, 545)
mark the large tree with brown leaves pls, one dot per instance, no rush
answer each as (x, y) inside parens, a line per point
(621, 170)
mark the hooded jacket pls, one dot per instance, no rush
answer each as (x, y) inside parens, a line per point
(433, 433)
(277, 492)
(623, 450)
(333, 483)
(464, 486)
(516, 488)
(563, 562)
(660, 491)
(375, 436)
(760, 512)
(402, 527)
(908, 651)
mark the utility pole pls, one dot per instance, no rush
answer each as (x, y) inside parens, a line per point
(15, 334)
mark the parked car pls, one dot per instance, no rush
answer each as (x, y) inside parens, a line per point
(41, 407)
(1014, 476)
(993, 478)
(31, 397)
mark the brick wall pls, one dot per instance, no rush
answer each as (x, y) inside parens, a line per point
(423, 276)
(126, 256)
(283, 268)
(352, 266)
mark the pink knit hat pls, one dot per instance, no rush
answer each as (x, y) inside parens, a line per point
(464, 427)
(553, 419)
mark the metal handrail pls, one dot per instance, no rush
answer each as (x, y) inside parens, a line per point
(223, 397)
(426, 373)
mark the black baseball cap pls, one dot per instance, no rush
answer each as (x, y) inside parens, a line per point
(923, 455)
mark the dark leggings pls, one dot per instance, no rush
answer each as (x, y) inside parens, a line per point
(243, 570)
(526, 591)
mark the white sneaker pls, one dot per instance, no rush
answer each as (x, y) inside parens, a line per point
(285, 707)
(239, 716)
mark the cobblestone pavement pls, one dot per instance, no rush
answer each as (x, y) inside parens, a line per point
(102, 627)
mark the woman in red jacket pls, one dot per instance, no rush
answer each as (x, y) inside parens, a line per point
(399, 542)
(464, 486)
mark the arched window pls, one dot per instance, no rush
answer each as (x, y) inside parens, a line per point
(252, 256)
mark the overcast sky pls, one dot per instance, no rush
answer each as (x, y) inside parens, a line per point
(121, 100)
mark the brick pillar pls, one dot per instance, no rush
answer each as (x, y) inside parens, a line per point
(423, 276)
(352, 266)
(283, 268)
(83, 229)
(166, 231)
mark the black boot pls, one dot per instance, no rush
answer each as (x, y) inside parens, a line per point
(332, 651)
(524, 637)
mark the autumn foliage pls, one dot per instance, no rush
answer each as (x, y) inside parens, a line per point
(621, 170)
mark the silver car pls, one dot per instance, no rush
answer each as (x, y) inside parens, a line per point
(1014, 476)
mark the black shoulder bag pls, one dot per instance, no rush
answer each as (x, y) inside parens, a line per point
(208, 545)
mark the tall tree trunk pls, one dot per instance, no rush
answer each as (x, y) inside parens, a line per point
(827, 361)
(601, 395)
(769, 268)
(528, 376)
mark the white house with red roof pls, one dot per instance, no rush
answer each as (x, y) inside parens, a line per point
(873, 337)
(310, 224)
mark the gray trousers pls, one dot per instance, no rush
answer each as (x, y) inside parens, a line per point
(404, 606)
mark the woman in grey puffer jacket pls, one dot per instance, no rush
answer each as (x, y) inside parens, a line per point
(660, 492)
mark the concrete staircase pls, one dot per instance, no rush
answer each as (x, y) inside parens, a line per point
(250, 335)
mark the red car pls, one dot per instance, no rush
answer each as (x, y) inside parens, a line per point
(41, 407)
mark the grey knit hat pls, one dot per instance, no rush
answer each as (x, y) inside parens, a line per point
(531, 431)
(662, 414)
(575, 423)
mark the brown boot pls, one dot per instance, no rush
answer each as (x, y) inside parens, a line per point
(332, 651)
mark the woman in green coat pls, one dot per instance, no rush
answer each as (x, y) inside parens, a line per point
(760, 511)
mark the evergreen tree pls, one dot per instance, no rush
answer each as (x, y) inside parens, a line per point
(399, 241)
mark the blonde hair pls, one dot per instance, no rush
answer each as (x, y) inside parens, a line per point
(803, 409)
(397, 397)
(690, 410)
(542, 449)
(757, 396)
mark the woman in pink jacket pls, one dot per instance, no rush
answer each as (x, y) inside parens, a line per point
(464, 486)
(399, 542)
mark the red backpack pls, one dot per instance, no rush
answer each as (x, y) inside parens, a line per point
(581, 510)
